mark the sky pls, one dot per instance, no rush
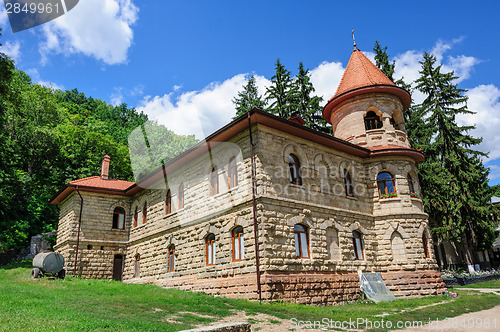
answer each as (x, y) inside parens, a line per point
(182, 62)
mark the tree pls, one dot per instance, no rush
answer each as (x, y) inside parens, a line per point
(248, 98)
(415, 127)
(453, 178)
(282, 94)
(382, 60)
(307, 106)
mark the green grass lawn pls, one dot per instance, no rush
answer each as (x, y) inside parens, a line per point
(97, 305)
(484, 284)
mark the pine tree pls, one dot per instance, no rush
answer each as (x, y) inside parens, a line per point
(307, 106)
(453, 178)
(282, 94)
(248, 98)
(382, 60)
(415, 127)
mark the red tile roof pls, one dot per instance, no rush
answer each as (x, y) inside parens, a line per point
(359, 73)
(98, 183)
(362, 76)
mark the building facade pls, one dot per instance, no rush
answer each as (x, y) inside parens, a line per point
(267, 208)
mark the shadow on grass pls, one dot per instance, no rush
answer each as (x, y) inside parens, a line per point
(27, 263)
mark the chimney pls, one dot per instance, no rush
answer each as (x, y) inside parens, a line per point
(105, 167)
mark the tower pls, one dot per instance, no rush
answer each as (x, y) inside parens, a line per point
(367, 108)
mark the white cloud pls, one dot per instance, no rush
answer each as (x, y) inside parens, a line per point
(198, 112)
(12, 50)
(35, 77)
(95, 28)
(484, 100)
(117, 97)
(326, 78)
(3, 17)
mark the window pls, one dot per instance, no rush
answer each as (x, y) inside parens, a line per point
(294, 165)
(426, 246)
(410, 184)
(136, 214)
(372, 121)
(137, 266)
(180, 196)
(214, 181)
(119, 218)
(168, 202)
(385, 183)
(238, 244)
(232, 173)
(358, 245)
(301, 241)
(349, 190)
(144, 212)
(210, 249)
(171, 258)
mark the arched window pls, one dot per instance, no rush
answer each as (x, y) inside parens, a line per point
(358, 245)
(210, 249)
(385, 183)
(119, 218)
(232, 173)
(145, 212)
(294, 165)
(180, 196)
(168, 202)
(137, 266)
(171, 258)
(238, 244)
(410, 184)
(426, 245)
(349, 190)
(301, 241)
(214, 181)
(136, 216)
(372, 121)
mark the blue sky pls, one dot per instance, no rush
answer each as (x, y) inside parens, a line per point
(182, 62)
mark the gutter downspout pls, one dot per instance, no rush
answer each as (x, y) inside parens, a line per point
(255, 229)
(79, 226)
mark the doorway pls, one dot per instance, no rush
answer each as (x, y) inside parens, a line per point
(118, 268)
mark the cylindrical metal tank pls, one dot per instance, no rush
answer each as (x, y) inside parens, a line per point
(49, 262)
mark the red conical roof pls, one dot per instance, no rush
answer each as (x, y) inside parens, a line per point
(362, 76)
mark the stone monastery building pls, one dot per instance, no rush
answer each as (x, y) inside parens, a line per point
(266, 207)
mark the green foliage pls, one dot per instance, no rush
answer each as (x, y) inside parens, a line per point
(50, 137)
(382, 60)
(248, 98)
(282, 94)
(286, 97)
(308, 106)
(453, 177)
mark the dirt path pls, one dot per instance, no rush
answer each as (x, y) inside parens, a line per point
(486, 320)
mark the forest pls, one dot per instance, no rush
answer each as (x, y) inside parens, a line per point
(49, 137)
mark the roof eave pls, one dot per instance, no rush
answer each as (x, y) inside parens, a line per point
(401, 93)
